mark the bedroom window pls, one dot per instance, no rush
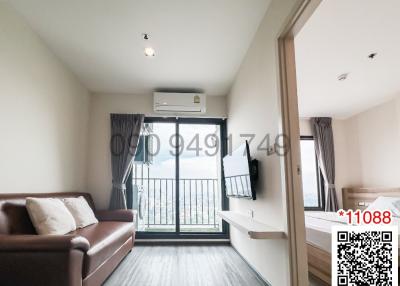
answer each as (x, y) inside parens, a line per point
(313, 186)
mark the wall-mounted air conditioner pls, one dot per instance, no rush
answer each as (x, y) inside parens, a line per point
(184, 103)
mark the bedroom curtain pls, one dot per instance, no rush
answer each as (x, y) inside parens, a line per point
(324, 148)
(125, 132)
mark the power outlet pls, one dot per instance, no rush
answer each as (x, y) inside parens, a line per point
(271, 150)
(251, 213)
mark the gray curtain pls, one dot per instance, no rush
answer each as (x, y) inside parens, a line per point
(323, 137)
(125, 132)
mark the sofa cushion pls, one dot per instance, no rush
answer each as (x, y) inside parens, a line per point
(105, 238)
(14, 217)
(81, 211)
(50, 216)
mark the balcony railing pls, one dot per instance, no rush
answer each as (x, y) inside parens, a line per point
(199, 201)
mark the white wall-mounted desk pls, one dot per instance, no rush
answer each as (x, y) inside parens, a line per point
(253, 228)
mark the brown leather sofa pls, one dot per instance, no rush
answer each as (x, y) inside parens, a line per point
(86, 256)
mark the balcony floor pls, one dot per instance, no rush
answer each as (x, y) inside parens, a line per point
(171, 228)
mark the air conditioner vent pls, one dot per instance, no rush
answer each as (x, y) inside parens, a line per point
(175, 103)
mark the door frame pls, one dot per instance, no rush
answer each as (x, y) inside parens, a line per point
(224, 200)
(290, 126)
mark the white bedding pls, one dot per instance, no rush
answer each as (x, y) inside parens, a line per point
(319, 227)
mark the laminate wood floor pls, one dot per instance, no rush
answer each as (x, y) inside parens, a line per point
(183, 266)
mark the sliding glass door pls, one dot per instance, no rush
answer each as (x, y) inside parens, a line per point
(154, 179)
(200, 178)
(177, 178)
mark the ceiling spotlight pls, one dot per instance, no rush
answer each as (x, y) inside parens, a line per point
(149, 52)
(343, 76)
(372, 55)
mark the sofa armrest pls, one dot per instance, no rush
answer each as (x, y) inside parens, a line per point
(19, 243)
(44, 260)
(116, 215)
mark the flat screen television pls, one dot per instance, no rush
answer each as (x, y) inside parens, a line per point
(240, 173)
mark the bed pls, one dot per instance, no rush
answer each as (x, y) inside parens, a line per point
(319, 224)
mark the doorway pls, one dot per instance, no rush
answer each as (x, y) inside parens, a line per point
(290, 127)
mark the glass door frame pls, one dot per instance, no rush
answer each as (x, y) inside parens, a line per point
(224, 234)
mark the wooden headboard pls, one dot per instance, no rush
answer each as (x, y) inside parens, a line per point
(360, 198)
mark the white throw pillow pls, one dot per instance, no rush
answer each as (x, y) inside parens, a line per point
(50, 216)
(81, 211)
(386, 203)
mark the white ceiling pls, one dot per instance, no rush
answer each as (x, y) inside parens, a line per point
(199, 43)
(338, 39)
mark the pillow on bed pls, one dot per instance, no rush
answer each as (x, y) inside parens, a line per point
(386, 203)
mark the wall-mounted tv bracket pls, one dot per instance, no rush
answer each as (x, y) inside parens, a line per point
(254, 169)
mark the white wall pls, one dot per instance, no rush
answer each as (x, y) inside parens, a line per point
(305, 127)
(373, 138)
(367, 148)
(43, 114)
(102, 105)
(253, 108)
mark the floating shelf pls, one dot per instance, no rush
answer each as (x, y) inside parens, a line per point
(253, 228)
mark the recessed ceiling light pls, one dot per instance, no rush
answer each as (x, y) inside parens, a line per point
(149, 52)
(343, 76)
